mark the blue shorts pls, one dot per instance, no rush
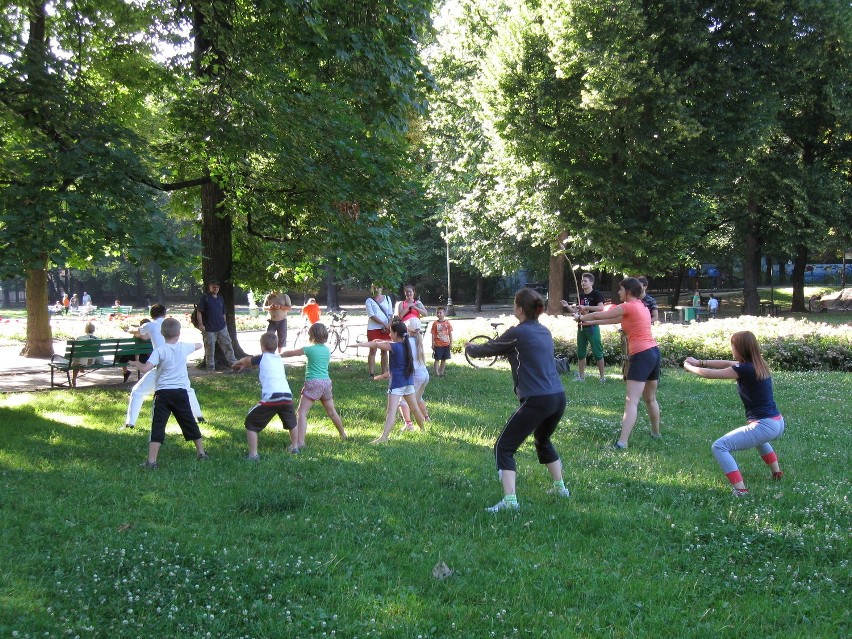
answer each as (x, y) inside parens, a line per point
(644, 366)
(441, 352)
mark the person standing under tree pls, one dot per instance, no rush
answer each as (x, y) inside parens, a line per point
(643, 373)
(529, 348)
(591, 300)
(212, 324)
(410, 306)
(277, 304)
(765, 422)
(379, 314)
(442, 341)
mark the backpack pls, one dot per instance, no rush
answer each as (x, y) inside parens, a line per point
(563, 366)
(194, 317)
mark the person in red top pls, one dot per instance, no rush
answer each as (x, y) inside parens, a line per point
(311, 311)
(644, 371)
(410, 306)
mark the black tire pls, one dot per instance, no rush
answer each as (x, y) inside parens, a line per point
(480, 362)
(333, 338)
(343, 340)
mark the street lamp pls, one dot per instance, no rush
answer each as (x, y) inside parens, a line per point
(451, 311)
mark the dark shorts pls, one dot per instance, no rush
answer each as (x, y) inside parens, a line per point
(278, 327)
(441, 352)
(644, 366)
(260, 416)
(173, 401)
(378, 333)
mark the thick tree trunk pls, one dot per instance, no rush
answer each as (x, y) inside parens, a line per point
(39, 337)
(555, 284)
(217, 256)
(159, 290)
(751, 262)
(478, 301)
(798, 279)
(681, 273)
(332, 302)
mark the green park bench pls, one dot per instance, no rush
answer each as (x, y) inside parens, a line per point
(93, 354)
(114, 310)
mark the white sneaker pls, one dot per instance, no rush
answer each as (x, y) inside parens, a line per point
(503, 505)
(577, 378)
(559, 492)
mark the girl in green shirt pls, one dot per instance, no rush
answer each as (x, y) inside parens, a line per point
(317, 386)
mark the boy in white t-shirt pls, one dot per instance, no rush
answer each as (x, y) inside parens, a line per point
(153, 331)
(170, 395)
(275, 395)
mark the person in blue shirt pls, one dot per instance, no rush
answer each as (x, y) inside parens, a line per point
(765, 422)
(401, 374)
(529, 349)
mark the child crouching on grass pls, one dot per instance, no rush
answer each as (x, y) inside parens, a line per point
(765, 422)
(317, 386)
(170, 394)
(401, 370)
(275, 395)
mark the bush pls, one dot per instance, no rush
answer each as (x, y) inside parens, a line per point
(786, 344)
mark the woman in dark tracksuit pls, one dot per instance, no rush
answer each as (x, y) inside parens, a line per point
(529, 348)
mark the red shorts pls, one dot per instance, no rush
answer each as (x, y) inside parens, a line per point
(378, 333)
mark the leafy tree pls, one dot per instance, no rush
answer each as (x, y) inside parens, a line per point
(71, 172)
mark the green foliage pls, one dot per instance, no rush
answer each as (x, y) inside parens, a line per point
(343, 538)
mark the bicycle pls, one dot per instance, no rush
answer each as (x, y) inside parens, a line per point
(338, 333)
(301, 337)
(483, 362)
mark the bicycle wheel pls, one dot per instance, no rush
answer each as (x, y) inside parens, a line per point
(343, 340)
(479, 362)
(333, 339)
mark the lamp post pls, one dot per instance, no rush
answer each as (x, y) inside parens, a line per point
(451, 311)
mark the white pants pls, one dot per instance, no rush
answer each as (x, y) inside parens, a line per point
(145, 387)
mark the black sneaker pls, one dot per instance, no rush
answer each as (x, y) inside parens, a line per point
(203, 457)
(200, 420)
(149, 465)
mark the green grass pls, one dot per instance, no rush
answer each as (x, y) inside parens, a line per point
(341, 541)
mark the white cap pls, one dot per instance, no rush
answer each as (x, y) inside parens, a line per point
(413, 324)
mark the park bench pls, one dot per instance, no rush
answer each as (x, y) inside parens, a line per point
(93, 354)
(114, 310)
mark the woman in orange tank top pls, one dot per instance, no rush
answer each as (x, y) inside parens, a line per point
(644, 371)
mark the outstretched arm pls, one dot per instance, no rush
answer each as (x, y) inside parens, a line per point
(293, 353)
(242, 364)
(711, 369)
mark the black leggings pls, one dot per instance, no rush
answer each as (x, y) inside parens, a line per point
(538, 416)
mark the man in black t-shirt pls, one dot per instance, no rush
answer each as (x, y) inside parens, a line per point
(591, 300)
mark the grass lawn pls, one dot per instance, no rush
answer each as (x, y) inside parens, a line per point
(343, 539)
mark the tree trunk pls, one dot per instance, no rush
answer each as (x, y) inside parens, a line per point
(39, 337)
(217, 256)
(478, 301)
(769, 265)
(555, 284)
(332, 303)
(681, 273)
(798, 279)
(751, 262)
(159, 290)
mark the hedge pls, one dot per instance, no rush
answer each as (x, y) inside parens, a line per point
(786, 344)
